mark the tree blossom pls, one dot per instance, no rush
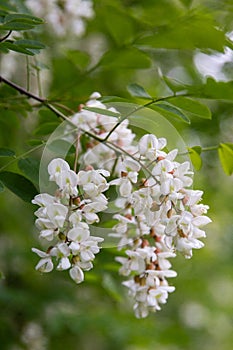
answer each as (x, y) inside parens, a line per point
(158, 214)
(64, 219)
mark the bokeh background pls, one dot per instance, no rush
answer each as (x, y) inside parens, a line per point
(92, 46)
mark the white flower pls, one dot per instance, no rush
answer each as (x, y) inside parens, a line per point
(149, 146)
(93, 182)
(43, 199)
(67, 182)
(79, 233)
(45, 264)
(57, 214)
(55, 167)
(76, 273)
(61, 251)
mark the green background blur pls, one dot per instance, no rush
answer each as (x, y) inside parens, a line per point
(51, 312)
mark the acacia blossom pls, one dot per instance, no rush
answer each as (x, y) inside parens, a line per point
(63, 219)
(157, 213)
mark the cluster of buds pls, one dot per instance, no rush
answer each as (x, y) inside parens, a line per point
(157, 213)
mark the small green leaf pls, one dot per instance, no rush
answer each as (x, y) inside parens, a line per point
(46, 128)
(30, 168)
(21, 17)
(174, 84)
(102, 111)
(30, 44)
(12, 46)
(108, 99)
(136, 90)
(192, 106)
(34, 142)
(194, 153)
(78, 58)
(6, 152)
(166, 106)
(19, 185)
(225, 152)
(17, 26)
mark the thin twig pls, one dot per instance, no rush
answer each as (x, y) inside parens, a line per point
(6, 36)
(154, 100)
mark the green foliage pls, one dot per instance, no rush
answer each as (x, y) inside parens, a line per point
(194, 153)
(19, 185)
(18, 22)
(225, 151)
(30, 168)
(136, 90)
(6, 152)
(132, 51)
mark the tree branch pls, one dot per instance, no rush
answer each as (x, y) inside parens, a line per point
(6, 36)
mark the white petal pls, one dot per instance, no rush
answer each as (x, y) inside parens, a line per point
(44, 265)
(40, 253)
(76, 274)
(64, 264)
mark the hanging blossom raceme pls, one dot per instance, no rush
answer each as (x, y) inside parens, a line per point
(63, 219)
(161, 216)
(158, 214)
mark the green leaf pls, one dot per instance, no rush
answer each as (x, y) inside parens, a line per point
(192, 106)
(172, 110)
(120, 25)
(217, 89)
(108, 99)
(17, 26)
(12, 46)
(194, 153)
(186, 32)
(174, 84)
(136, 90)
(35, 142)
(126, 58)
(4, 5)
(30, 168)
(24, 18)
(30, 44)
(6, 152)
(78, 58)
(46, 128)
(102, 111)
(19, 185)
(225, 152)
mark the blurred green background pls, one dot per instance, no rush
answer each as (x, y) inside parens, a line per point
(51, 312)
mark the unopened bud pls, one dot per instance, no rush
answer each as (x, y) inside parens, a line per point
(145, 243)
(155, 206)
(169, 213)
(124, 174)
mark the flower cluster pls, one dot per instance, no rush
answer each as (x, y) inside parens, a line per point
(64, 219)
(161, 216)
(157, 213)
(64, 17)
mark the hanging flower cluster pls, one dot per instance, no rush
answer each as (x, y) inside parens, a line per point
(157, 212)
(64, 219)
